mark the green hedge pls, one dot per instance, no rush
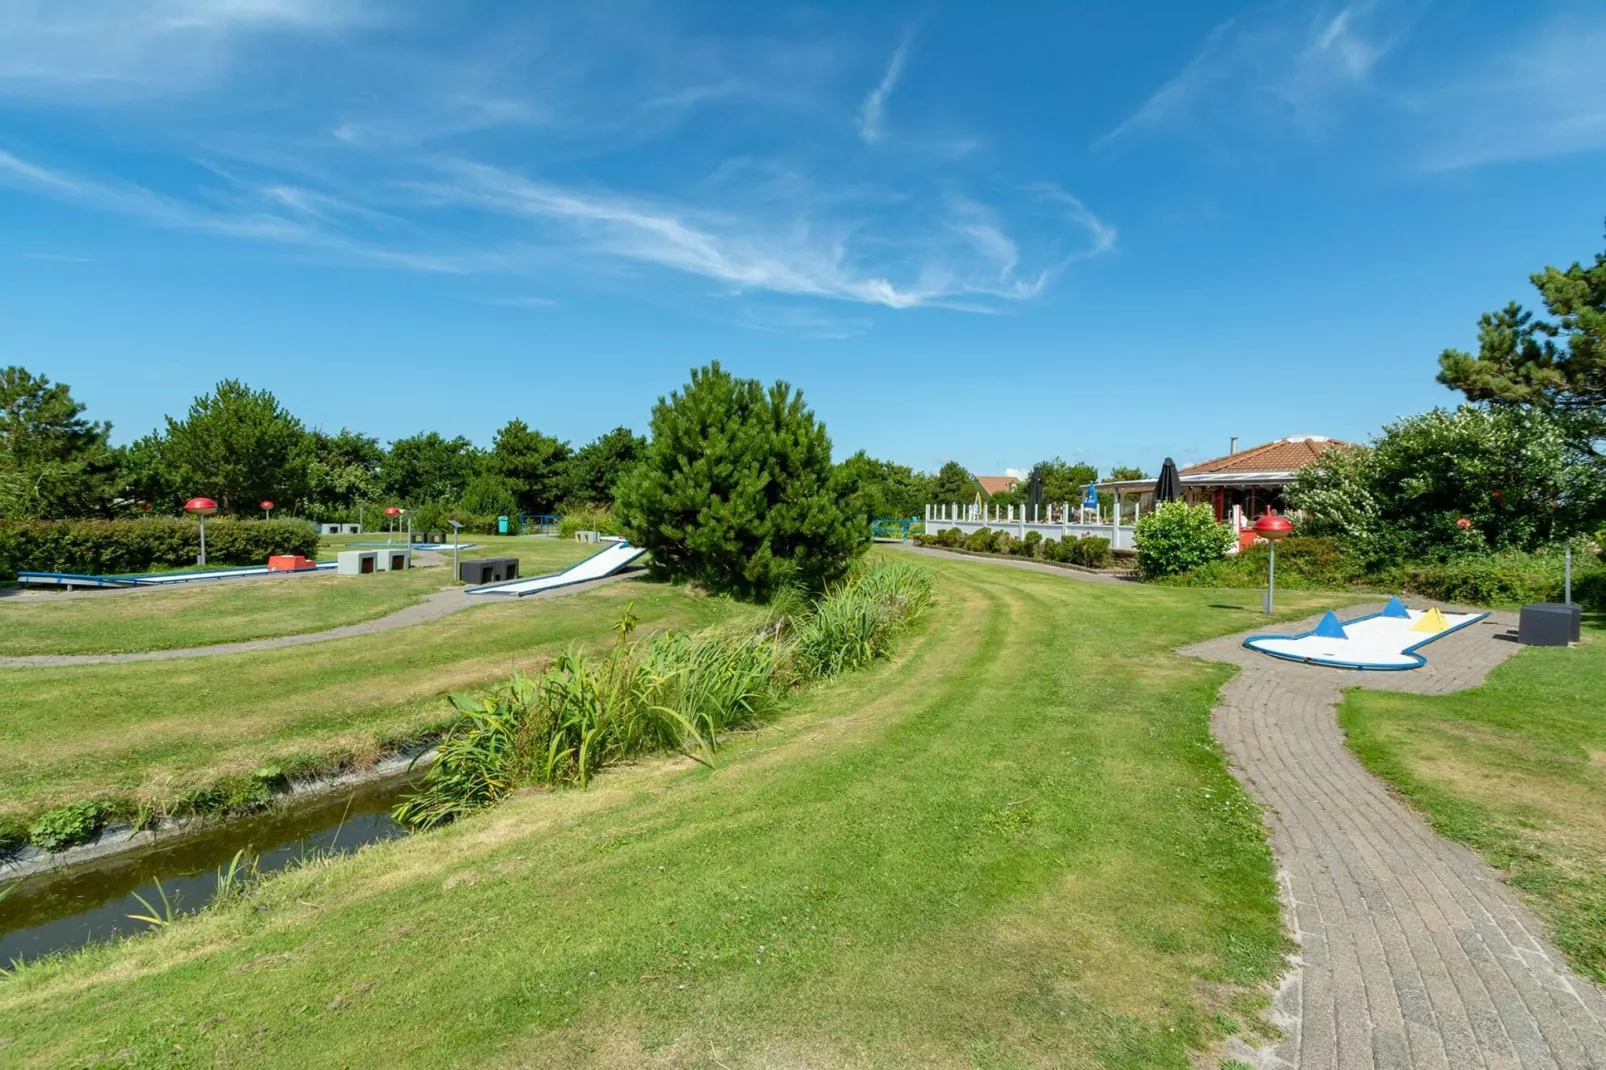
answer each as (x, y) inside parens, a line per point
(1504, 579)
(113, 547)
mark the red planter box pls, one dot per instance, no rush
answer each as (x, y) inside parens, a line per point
(289, 563)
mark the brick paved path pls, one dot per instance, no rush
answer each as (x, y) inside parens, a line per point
(1412, 951)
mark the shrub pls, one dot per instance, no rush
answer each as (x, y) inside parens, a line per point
(587, 517)
(1511, 474)
(1176, 537)
(982, 540)
(1090, 551)
(1031, 545)
(1589, 589)
(952, 538)
(675, 692)
(490, 495)
(737, 490)
(129, 546)
(66, 826)
(1317, 563)
(1004, 543)
(1504, 579)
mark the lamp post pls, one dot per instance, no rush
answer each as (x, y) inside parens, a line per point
(267, 509)
(457, 577)
(391, 512)
(200, 509)
(1272, 528)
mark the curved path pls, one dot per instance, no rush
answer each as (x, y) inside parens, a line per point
(1412, 951)
(440, 604)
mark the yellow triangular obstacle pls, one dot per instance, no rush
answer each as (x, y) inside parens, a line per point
(1431, 621)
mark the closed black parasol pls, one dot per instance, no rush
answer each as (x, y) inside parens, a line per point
(1168, 488)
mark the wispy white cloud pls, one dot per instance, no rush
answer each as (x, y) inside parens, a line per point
(1538, 95)
(875, 103)
(762, 250)
(530, 303)
(98, 47)
(128, 199)
(1280, 65)
(379, 148)
(57, 258)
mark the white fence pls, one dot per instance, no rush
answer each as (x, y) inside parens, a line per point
(1054, 521)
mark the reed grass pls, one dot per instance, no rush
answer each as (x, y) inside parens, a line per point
(677, 692)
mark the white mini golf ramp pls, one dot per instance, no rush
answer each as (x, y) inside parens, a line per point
(1379, 641)
(610, 559)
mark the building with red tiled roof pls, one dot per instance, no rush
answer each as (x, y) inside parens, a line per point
(1241, 484)
(991, 485)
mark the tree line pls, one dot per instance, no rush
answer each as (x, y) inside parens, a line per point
(241, 446)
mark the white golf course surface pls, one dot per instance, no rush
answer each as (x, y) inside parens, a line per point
(1376, 641)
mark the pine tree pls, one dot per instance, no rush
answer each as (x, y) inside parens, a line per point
(737, 490)
(53, 462)
(1556, 364)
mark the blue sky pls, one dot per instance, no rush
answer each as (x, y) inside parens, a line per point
(992, 233)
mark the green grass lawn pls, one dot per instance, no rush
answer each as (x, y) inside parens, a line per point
(1515, 769)
(1015, 845)
(154, 728)
(207, 613)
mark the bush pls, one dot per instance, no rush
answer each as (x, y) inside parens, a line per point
(490, 495)
(1090, 551)
(1177, 537)
(66, 826)
(1314, 563)
(737, 490)
(587, 517)
(1004, 543)
(1505, 579)
(982, 540)
(952, 538)
(112, 547)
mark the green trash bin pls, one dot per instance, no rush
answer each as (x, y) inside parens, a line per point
(501, 525)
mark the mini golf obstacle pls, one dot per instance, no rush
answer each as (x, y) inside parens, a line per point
(1385, 641)
(616, 553)
(162, 579)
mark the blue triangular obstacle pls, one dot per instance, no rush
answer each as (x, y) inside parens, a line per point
(1396, 608)
(1329, 628)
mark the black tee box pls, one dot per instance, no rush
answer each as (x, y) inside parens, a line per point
(488, 570)
(1549, 624)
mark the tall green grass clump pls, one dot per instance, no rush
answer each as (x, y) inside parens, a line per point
(672, 693)
(856, 621)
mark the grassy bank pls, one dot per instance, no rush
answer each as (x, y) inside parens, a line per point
(209, 613)
(152, 730)
(1015, 845)
(1515, 769)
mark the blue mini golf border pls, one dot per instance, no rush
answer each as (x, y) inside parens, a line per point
(1359, 666)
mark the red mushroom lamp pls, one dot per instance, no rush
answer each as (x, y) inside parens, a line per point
(1463, 523)
(1273, 529)
(267, 509)
(392, 513)
(200, 509)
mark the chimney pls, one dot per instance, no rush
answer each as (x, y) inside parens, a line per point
(1234, 447)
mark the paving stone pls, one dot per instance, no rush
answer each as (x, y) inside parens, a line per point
(1413, 952)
